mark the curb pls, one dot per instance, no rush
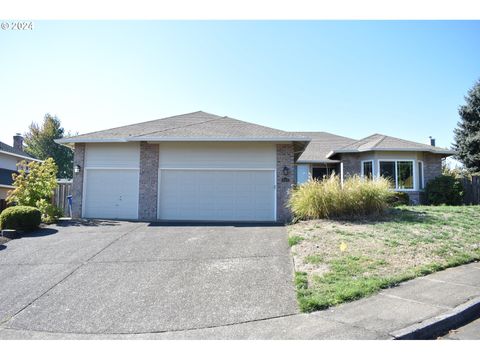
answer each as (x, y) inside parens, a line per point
(441, 324)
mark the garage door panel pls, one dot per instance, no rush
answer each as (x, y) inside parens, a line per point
(111, 193)
(227, 195)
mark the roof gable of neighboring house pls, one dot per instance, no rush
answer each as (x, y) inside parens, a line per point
(10, 150)
(321, 144)
(197, 126)
(379, 142)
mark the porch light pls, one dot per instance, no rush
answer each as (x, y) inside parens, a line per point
(77, 169)
(286, 171)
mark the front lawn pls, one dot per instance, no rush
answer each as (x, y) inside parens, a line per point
(338, 261)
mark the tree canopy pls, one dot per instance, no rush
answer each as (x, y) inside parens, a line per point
(39, 141)
(467, 133)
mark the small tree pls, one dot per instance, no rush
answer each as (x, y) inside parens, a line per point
(40, 143)
(34, 186)
(467, 133)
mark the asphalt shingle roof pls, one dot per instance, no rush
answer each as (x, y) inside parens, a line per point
(12, 150)
(321, 144)
(379, 142)
(194, 126)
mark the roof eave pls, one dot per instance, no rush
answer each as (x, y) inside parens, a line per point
(19, 156)
(89, 140)
(433, 151)
(325, 161)
(160, 139)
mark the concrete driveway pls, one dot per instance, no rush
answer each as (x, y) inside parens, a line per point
(111, 277)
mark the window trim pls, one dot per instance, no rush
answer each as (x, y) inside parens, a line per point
(414, 172)
(373, 168)
(421, 184)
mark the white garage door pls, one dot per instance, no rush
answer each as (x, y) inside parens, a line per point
(111, 194)
(111, 182)
(226, 195)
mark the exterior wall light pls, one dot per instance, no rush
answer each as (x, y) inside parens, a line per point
(286, 171)
(77, 169)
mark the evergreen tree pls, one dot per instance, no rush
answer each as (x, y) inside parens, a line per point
(39, 141)
(467, 133)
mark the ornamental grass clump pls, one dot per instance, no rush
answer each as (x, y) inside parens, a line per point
(328, 198)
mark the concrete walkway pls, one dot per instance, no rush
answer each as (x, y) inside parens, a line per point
(376, 317)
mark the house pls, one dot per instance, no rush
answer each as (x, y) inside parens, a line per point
(10, 156)
(205, 167)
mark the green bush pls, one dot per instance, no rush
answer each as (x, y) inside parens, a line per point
(50, 213)
(399, 198)
(328, 198)
(20, 218)
(444, 190)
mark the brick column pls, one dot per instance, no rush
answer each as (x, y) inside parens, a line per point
(77, 183)
(432, 166)
(148, 186)
(285, 158)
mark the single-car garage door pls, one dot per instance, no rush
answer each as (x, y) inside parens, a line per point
(111, 181)
(228, 195)
(111, 194)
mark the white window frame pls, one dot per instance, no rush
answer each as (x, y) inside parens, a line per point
(414, 164)
(421, 185)
(373, 168)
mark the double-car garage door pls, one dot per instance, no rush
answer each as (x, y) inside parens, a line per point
(196, 181)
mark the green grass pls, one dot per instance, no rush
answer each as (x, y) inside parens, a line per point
(314, 259)
(294, 240)
(407, 243)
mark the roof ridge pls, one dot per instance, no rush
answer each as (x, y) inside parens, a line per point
(382, 137)
(145, 122)
(254, 124)
(180, 127)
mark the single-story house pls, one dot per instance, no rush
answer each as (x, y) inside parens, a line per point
(10, 156)
(205, 167)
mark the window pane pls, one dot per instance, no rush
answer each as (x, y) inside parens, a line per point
(405, 174)
(387, 170)
(420, 175)
(319, 173)
(368, 169)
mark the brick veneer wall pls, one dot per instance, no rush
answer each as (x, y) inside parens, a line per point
(432, 166)
(148, 187)
(77, 183)
(351, 165)
(285, 157)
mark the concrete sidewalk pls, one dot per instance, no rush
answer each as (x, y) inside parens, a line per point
(375, 317)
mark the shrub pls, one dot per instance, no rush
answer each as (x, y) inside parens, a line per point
(399, 198)
(20, 218)
(328, 198)
(444, 190)
(50, 213)
(35, 187)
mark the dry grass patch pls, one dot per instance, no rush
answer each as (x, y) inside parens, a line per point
(338, 261)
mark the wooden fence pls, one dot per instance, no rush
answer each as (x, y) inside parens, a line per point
(472, 190)
(60, 197)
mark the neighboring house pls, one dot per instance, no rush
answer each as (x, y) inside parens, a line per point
(10, 156)
(206, 167)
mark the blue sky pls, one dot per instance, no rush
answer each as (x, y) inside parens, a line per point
(353, 78)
